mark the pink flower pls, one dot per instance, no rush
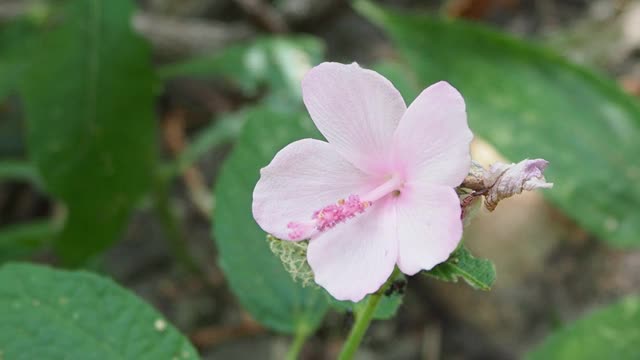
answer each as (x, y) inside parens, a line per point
(380, 192)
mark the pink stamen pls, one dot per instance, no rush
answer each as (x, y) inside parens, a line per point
(331, 215)
(334, 214)
(328, 217)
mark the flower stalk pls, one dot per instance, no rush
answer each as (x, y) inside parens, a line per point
(296, 346)
(363, 320)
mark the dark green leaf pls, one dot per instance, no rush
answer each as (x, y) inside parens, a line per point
(89, 104)
(53, 314)
(15, 38)
(278, 62)
(609, 333)
(531, 103)
(255, 274)
(479, 273)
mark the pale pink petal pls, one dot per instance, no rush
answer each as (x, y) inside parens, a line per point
(305, 176)
(429, 226)
(431, 143)
(357, 110)
(355, 258)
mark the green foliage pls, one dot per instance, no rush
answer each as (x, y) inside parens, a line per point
(225, 129)
(529, 102)
(278, 62)
(53, 314)
(17, 241)
(609, 333)
(255, 274)
(19, 170)
(478, 273)
(14, 57)
(89, 105)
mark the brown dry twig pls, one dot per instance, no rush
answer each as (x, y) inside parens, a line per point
(265, 15)
(210, 336)
(175, 137)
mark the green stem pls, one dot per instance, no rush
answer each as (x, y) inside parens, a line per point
(363, 319)
(171, 226)
(298, 341)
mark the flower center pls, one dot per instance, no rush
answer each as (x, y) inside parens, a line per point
(331, 215)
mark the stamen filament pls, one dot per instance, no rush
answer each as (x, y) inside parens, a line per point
(393, 184)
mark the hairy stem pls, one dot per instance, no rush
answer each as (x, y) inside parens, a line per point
(296, 346)
(363, 319)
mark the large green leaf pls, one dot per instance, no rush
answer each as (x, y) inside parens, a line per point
(88, 96)
(14, 42)
(255, 274)
(529, 103)
(53, 314)
(278, 62)
(609, 333)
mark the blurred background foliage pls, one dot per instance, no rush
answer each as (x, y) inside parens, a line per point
(132, 133)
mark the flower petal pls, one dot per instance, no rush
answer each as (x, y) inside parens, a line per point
(431, 143)
(303, 177)
(355, 258)
(429, 226)
(357, 111)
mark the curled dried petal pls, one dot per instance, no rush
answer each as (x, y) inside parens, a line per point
(506, 180)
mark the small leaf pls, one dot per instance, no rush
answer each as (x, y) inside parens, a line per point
(225, 129)
(53, 314)
(278, 62)
(19, 170)
(608, 333)
(479, 273)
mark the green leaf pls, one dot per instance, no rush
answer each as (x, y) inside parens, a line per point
(531, 103)
(53, 314)
(89, 102)
(15, 41)
(18, 170)
(255, 274)
(608, 333)
(478, 273)
(18, 241)
(278, 62)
